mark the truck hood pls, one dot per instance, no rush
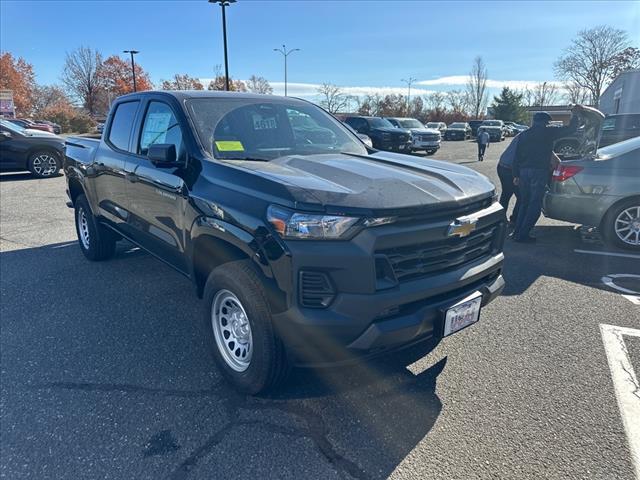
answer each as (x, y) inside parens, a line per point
(424, 131)
(392, 130)
(383, 182)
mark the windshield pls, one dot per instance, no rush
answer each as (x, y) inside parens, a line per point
(492, 123)
(241, 128)
(410, 123)
(376, 122)
(618, 149)
(433, 125)
(456, 125)
(13, 127)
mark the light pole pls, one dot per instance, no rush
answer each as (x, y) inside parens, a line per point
(133, 67)
(408, 82)
(285, 53)
(224, 4)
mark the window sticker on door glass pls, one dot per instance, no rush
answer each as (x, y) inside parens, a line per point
(264, 123)
(155, 128)
(229, 146)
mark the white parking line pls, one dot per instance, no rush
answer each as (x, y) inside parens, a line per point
(625, 385)
(609, 254)
(635, 299)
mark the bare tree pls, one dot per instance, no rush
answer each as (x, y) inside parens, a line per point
(457, 101)
(477, 88)
(436, 101)
(628, 59)
(46, 97)
(333, 99)
(541, 95)
(182, 82)
(591, 59)
(575, 94)
(259, 85)
(81, 78)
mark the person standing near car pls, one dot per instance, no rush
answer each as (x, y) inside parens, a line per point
(531, 166)
(505, 174)
(483, 142)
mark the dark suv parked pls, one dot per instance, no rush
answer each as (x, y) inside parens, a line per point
(383, 134)
(307, 247)
(475, 124)
(619, 127)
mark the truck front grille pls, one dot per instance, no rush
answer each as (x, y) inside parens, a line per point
(415, 261)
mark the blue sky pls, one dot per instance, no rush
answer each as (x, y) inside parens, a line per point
(368, 46)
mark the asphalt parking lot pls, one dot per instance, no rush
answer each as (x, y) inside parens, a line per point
(104, 373)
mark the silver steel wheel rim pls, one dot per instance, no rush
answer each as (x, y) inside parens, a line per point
(232, 330)
(83, 228)
(566, 149)
(45, 165)
(627, 226)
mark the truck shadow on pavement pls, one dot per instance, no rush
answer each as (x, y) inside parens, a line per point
(125, 332)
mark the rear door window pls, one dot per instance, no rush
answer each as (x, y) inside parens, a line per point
(122, 125)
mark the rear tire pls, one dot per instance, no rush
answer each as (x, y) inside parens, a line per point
(621, 225)
(43, 164)
(96, 241)
(239, 329)
(566, 148)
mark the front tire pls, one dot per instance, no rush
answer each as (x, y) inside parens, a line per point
(96, 241)
(621, 225)
(239, 329)
(43, 164)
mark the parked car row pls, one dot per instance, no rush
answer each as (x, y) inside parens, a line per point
(396, 134)
(43, 125)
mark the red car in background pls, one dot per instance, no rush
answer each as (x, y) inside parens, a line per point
(33, 125)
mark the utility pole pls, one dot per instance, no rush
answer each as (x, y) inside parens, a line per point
(408, 82)
(224, 4)
(285, 53)
(133, 67)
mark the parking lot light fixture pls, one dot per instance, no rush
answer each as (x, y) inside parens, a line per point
(133, 67)
(408, 82)
(285, 53)
(224, 4)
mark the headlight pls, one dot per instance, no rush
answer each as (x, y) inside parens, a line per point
(297, 225)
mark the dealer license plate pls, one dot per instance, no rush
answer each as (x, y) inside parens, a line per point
(463, 314)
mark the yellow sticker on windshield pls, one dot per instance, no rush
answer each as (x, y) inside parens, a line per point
(229, 146)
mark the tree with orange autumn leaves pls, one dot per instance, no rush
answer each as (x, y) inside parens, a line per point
(117, 79)
(17, 75)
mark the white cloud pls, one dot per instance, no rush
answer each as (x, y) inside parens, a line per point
(461, 80)
(310, 90)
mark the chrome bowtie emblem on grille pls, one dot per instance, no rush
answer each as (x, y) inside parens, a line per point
(461, 227)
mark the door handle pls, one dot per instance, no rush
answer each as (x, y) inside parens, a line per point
(132, 177)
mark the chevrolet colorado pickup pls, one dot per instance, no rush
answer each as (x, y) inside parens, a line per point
(308, 247)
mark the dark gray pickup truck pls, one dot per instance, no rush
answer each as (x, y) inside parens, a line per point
(308, 247)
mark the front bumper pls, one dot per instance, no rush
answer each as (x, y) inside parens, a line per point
(355, 327)
(426, 145)
(455, 136)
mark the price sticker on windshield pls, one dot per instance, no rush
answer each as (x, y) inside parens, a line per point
(229, 146)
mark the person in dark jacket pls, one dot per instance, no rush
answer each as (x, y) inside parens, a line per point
(531, 166)
(505, 174)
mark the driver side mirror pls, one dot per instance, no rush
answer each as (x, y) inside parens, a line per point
(5, 136)
(163, 155)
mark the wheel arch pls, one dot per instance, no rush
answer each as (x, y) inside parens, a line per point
(45, 148)
(214, 246)
(615, 205)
